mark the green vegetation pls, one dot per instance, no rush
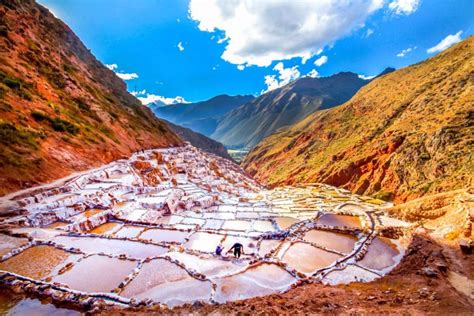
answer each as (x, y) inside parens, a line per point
(17, 85)
(57, 123)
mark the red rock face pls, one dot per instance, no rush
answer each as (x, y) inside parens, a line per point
(61, 109)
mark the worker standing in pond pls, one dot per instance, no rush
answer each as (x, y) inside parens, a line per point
(238, 249)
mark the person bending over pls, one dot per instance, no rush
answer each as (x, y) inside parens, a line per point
(238, 249)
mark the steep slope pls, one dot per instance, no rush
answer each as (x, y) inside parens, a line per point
(200, 141)
(202, 116)
(245, 126)
(406, 134)
(61, 109)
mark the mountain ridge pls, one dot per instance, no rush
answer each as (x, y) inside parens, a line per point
(62, 110)
(404, 135)
(246, 125)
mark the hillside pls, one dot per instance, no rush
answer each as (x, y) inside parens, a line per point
(404, 135)
(61, 109)
(201, 117)
(200, 141)
(245, 126)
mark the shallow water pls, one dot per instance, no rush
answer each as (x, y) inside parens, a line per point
(206, 264)
(380, 254)
(8, 243)
(336, 241)
(105, 229)
(164, 235)
(237, 225)
(12, 304)
(267, 245)
(261, 280)
(204, 242)
(263, 226)
(129, 231)
(166, 282)
(307, 259)
(36, 262)
(111, 246)
(339, 220)
(285, 222)
(89, 274)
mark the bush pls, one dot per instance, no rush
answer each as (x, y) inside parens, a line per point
(57, 123)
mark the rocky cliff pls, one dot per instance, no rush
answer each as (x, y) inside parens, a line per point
(61, 109)
(404, 135)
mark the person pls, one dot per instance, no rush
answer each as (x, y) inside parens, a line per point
(219, 250)
(238, 249)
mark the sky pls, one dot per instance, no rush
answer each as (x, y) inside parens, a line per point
(186, 51)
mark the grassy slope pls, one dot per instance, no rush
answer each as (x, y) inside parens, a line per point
(404, 135)
(61, 109)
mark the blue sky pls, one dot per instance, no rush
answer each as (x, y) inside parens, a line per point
(274, 42)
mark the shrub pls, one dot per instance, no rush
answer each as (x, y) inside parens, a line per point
(57, 123)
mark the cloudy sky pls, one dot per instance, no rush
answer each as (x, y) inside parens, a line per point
(193, 50)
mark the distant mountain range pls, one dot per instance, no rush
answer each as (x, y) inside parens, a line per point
(199, 140)
(248, 124)
(201, 117)
(405, 134)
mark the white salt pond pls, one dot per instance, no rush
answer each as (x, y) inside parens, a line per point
(151, 234)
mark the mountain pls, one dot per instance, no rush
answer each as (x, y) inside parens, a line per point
(202, 116)
(404, 135)
(248, 124)
(200, 141)
(61, 109)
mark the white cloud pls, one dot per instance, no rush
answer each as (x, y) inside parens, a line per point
(446, 42)
(285, 76)
(125, 76)
(321, 61)
(147, 98)
(111, 66)
(406, 51)
(122, 75)
(259, 32)
(180, 46)
(404, 7)
(137, 93)
(240, 67)
(313, 74)
(366, 77)
(368, 33)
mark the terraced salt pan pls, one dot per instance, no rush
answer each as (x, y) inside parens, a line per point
(307, 259)
(261, 280)
(339, 220)
(164, 235)
(79, 277)
(92, 245)
(8, 243)
(36, 262)
(211, 212)
(382, 254)
(343, 243)
(163, 281)
(129, 231)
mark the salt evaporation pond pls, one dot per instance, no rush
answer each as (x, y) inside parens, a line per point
(150, 235)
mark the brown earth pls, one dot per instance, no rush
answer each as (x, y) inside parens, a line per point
(406, 134)
(61, 110)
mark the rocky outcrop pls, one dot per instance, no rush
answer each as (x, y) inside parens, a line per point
(61, 109)
(406, 134)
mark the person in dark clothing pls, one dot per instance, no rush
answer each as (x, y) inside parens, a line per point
(238, 249)
(219, 250)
